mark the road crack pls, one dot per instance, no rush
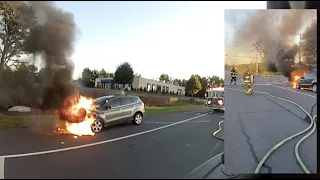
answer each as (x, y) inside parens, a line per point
(251, 149)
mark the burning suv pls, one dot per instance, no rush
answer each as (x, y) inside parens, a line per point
(111, 110)
(308, 81)
(215, 98)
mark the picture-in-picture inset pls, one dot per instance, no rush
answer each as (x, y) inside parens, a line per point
(271, 85)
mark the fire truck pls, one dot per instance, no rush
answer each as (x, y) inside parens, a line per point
(215, 98)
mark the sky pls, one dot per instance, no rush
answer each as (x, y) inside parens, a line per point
(175, 38)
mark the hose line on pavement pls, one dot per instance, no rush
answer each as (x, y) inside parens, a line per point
(296, 149)
(312, 124)
(217, 131)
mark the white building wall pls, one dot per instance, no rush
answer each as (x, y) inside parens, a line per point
(138, 82)
(143, 82)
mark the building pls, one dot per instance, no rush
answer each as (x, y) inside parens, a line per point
(140, 83)
(156, 86)
(105, 83)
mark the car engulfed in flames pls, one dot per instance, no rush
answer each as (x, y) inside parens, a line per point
(77, 115)
(295, 76)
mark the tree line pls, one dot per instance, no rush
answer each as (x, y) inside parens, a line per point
(124, 74)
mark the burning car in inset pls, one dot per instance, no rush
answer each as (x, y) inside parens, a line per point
(308, 81)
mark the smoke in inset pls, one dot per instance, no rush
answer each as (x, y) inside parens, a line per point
(272, 33)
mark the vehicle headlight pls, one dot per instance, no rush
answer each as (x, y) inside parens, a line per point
(209, 102)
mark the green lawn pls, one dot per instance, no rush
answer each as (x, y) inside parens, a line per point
(25, 121)
(43, 120)
(181, 105)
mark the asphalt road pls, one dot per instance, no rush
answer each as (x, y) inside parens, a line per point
(171, 152)
(254, 124)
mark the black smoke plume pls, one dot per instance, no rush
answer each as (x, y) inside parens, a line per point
(51, 40)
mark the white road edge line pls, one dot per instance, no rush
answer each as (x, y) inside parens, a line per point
(101, 142)
(2, 167)
(293, 91)
(201, 165)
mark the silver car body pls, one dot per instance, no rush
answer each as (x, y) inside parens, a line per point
(123, 110)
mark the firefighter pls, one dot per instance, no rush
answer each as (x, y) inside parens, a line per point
(248, 80)
(233, 75)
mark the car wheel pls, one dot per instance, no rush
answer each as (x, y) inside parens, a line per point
(216, 110)
(298, 86)
(97, 126)
(137, 119)
(314, 88)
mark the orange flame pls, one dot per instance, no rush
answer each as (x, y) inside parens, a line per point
(84, 127)
(295, 76)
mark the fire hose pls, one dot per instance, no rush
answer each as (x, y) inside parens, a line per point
(312, 125)
(217, 131)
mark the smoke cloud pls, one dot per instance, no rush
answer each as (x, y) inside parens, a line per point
(272, 34)
(51, 40)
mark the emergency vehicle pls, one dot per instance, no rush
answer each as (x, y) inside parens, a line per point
(215, 98)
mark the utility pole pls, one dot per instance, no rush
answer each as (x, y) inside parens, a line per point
(299, 48)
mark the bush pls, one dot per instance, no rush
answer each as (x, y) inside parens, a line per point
(141, 89)
(144, 89)
(163, 91)
(271, 67)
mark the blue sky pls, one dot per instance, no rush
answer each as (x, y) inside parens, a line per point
(177, 38)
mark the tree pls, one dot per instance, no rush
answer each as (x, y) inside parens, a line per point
(103, 73)
(111, 75)
(183, 83)
(16, 21)
(94, 75)
(176, 81)
(260, 48)
(309, 44)
(124, 74)
(204, 85)
(86, 77)
(193, 85)
(164, 78)
(215, 80)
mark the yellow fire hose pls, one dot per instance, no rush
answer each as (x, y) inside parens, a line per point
(312, 125)
(217, 131)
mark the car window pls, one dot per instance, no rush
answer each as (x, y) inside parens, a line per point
(125, 101)
(114, 102)
(314, 75)
(101, 101)
(133, 99)
(306, 76)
